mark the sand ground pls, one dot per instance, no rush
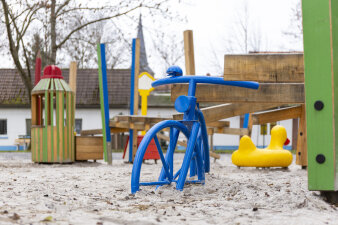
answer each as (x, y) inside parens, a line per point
(95, 193)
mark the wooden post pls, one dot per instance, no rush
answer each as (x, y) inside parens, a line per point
(72, 76)
(283, 93)
(72, 83)
(320, 23)
(35, 109)
(189, 52)
(295, 122)
(301, 154)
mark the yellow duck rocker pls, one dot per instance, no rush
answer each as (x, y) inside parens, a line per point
(248, 155)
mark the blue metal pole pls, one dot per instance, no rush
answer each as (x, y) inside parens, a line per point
(105, 91)
(132, 82)
(246, 120)
(188, 156)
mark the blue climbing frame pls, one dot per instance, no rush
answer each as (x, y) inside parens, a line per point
(192, 126)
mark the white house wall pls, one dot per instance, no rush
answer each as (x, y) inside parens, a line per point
(91, 119)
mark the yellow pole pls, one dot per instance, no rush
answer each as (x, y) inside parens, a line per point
(144, 104)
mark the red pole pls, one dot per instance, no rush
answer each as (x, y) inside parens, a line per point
(37, 68)
(37, 79)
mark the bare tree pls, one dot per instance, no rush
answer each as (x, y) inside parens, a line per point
(170, 50)
(58, 22)
(295, 28)
(246, 36)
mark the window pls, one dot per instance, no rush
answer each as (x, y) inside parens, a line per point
(3, 126)
(28, 127)
(78, 125)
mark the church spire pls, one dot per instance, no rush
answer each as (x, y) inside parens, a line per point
(144, 67)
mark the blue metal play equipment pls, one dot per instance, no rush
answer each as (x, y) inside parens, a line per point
(192, 127)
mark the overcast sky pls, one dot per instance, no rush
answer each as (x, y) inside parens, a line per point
(214, 21)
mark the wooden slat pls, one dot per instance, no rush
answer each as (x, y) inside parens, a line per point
(49, 144)
(125, 124)
(233, 131)
(99, 131)
(73, 126)
(189, 52)
(283, 68)
(55, 156)
(134, 143)
(215, 113)
(46, 122)
(40, 149)
(138, 118)
(51, 129)
(166, 138)
(87, 156)
(277, 115)
(301, 154)
(218, 124)
(267, 93)
(88, 141)
(60, 124)
(183, 143)
(34, 109)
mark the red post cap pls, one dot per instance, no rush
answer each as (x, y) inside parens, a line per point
(52, 71)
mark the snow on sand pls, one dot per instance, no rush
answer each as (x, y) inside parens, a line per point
(95, 193)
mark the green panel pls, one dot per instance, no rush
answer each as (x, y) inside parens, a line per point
(52, 119)
(334, 21)
(318, 87)
(65, 86)
(69, 127)
(40, 86)
(45, 84)
(45, 130)
(57, 126)
(38, 143)
(58, 86)
(73, 125)
(63, 133)
(33, 144)
(101, 103)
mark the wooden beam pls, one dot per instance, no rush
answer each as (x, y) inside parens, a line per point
(218, 124)
(138, 118)
(125, 124)
(218, 112)
(166, 138)
(189, 52)
(267, 93)
(99, 131)
(277, 115)
(232, 131)
(183, 143)
(283, 68)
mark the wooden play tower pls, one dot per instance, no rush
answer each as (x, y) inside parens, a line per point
(52, 119)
